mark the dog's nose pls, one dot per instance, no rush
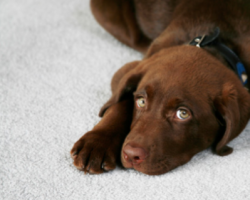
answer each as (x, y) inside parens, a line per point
(134, 154)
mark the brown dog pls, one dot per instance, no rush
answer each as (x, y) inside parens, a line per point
(180, 99)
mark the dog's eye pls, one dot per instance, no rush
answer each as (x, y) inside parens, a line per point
(182, 114)
(141, 102)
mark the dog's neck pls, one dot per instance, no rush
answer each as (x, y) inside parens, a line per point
(228, 55)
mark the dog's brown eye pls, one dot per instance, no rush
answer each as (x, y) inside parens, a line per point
(141, 102)
(182, 114)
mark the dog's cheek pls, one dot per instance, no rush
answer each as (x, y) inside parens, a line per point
(211, 130)
(195, 137)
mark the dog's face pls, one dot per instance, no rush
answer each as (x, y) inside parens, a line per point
(185, 101)
(174, 117)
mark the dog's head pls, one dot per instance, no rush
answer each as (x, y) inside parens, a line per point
(185, 101)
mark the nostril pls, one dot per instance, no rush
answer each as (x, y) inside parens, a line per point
(136, 158)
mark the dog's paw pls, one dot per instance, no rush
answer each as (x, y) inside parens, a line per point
(95, 153)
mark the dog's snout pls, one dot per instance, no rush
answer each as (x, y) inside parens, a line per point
(134, 154)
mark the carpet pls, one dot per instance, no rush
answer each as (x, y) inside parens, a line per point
(56, 64)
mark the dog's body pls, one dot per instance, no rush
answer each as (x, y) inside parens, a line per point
(185, 100)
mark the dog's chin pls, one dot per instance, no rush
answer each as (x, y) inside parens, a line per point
(145, 170)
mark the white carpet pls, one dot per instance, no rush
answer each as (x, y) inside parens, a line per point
(56, 64)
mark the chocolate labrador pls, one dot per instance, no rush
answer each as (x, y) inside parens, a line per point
(189, 93)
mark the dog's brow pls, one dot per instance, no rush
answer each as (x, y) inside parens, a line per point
(140, 92)
(173, 102)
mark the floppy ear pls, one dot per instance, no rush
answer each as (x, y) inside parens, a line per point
(124, 83)
(234, 107)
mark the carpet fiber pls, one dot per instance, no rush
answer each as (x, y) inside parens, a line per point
(56, 64)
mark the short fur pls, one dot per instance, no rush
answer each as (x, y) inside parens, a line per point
(172, 75)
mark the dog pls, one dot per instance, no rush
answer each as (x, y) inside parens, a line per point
(189, 92)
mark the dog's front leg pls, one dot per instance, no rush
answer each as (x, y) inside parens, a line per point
(99, 149)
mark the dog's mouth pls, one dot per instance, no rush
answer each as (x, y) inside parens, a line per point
(152, 165)
(136, 157)
(143, 166)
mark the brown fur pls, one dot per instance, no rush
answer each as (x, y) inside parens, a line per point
(172, 75)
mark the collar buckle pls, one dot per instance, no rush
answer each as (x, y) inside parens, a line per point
(199, 40)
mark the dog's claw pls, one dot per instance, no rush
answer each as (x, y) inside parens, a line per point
(74, 154)
(93, 153)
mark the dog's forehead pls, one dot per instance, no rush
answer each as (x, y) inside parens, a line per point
(186, 73)
(184, 68)
(185, 61)
(181, 83)
(173, 80)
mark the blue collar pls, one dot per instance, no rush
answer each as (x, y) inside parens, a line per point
(232, 59)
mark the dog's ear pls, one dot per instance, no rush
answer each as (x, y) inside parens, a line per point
(234, 106)
(123, 84)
